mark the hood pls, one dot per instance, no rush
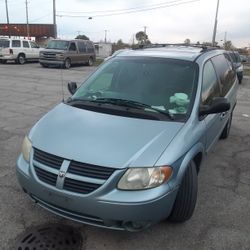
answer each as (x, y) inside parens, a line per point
(102, 139)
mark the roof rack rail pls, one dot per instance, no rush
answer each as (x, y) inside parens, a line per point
(163, 45)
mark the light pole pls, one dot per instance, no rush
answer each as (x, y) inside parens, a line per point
(27, 19)
(215, 23)
(54, 18)
(7, 16)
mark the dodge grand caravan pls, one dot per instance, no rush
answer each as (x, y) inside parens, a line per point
(68, 52)
(124, 152)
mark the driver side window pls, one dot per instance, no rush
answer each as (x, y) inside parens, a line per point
(210, 84)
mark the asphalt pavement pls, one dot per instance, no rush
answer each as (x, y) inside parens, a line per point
(222, 216)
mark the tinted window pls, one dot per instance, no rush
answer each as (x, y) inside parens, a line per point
(225, 73)
(167, 85)
(4, 43)
(26, 44)
(210, 85)
(33, 45)
(82, 47)
(16, 43)
(90, 48)
(72, 47)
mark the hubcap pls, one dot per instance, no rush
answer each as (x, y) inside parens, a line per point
(21, 60)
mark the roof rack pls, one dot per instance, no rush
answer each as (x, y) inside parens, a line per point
(163, 45)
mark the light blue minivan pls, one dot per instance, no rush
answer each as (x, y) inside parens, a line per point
(124, 152)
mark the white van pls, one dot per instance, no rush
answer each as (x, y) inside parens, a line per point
(20, 50)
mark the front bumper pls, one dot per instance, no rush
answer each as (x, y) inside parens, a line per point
(114, 209)
(51, 62)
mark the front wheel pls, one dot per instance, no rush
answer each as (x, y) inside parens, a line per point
(186, 197)
(67, 63)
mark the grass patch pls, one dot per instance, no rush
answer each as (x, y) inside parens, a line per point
(98, 62)
(247, 72)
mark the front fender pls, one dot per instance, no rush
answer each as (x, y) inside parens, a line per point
(180, 166)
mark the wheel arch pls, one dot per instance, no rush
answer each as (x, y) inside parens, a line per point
(195, 154)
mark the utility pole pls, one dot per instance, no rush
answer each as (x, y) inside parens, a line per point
(215, 23)
(54, 18)
(145, 30)
(225, 38)
(105, 38)
(7, 16)
(27, 19)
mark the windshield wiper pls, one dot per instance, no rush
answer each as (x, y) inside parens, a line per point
(131, 104)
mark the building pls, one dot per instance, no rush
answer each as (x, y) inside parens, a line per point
(103, 50)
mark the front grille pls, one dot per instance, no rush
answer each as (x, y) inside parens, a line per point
(52, 162)
(89, 170)
(46, 176)
(48, 159)
(79, 186)
(49, 55)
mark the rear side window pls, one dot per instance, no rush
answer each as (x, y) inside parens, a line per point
(210, 85)
(82, 47)
(4, 43)
(90, 48)
(72, 47)
(26, 44)
(16, 43)
(225, 73)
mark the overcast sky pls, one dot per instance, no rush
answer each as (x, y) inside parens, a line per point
(194, 20)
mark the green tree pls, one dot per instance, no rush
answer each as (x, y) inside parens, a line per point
(228, 45)
(142, 38)
(83, 37)
(187, 41)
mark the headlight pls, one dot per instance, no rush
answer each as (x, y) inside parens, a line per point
(26, 148)
(240, 69)
(144, 178)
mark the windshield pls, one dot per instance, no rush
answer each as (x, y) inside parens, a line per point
(159, 84)
(4, 43)
(55, 44)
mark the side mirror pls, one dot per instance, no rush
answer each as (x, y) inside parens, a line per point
(218, 105)
(72, 87)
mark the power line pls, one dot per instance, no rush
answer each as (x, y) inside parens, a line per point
(121, 10)
(129, 12)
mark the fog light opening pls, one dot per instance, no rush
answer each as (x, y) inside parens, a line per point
(135, 226)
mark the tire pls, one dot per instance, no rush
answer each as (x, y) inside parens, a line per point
(44, 65)
(21, 59)
(226, 131)
(186, 197)
(67, 63)
(90, 61)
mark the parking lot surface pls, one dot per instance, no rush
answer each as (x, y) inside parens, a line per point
(222, 215)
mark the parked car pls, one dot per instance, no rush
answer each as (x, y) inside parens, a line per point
(68, 52)
(20, 50)
(124, 152)
(237, 63)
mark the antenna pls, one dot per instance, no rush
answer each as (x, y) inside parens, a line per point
(62, 83)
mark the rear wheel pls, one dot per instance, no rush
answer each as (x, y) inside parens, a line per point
(90, 61)
(67, 63)
(21, 59)
(226, 131)
(186, 197)
(44, 65)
